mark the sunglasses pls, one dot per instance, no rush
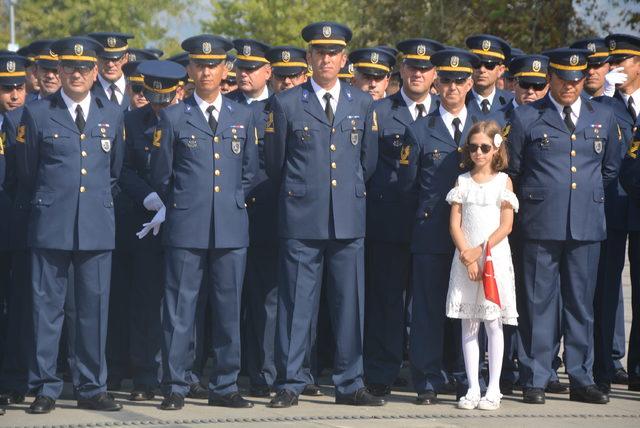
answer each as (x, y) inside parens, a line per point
(70, 69)
(535, 86)
(137, 89)
(458, 81)
(485, 148)
(487, 65)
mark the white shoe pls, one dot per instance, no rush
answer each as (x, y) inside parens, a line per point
(468, 402)
(490, 403)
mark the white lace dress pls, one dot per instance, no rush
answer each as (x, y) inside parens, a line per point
(480, 218)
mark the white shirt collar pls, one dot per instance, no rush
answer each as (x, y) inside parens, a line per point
(71, 105)
(263, 96)
(413, 109)
(575, 109)
(448, 119)
(479, 97)
(121, 84)
(203, 105)
(636, 100)
(335, 93)
(515, 103)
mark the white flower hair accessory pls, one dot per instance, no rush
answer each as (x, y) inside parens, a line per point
(497, 140)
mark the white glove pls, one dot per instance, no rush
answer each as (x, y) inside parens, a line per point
(614, 77)
(154, 224)
(152, 202)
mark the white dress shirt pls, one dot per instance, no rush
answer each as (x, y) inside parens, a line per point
(203, 105)
(335, 94)
(448, 119)
(413, 109)
(479, 98)
(636, 100)
(575, 109)
(121, 85)
(263, 96)
(71, 105)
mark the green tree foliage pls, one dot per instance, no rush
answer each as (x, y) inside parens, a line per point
(36, 19)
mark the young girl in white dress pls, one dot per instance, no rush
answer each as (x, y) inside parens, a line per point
(482, 209)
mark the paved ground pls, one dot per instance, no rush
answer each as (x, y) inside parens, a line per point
(622, 411)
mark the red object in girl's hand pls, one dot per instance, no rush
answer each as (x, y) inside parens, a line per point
(489, 279)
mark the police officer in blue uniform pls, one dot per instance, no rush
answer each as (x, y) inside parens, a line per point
(597, 64)
(71, 152)
(160, 83)
(253, 71)
(372, 77)
(31, 81)
(111, 83)
(203, 164)
(288, 67)
(13, 343)
(531, 84)
(135, 81)
(46, 67)
(261, 291)
(623, 221)
(430, 162)
(389, 217)
(320, 150)
(230, 83)
(563, 153)
(485, 99)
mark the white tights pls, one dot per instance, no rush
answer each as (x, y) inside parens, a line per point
(471, 351)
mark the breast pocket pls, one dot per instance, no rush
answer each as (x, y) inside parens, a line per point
(354, 128)
(56, 141)
(541, 143)
(392, 141)
(595, 140)
(190, 144)
(302, 132)
(234, 139)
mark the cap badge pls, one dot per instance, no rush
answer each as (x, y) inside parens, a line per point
(157, 84)
(11, 66)
(455, 61)
(111, 42)
(326, 31)
(536, 66)
(486, 45)
(229, 65)
(591, 46)
(573, 60)
(374, 57)
(132, 56)
(286, 56)
(350, 68)
(612, 45)
(421, 49)
(206, 47)
(51, 53)
(246, 50)
(78, 49)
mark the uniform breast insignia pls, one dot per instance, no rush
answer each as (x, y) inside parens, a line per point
(436, 155)
(506, 130)
(396, 140)
(597, 143)
(632, 152)
(3, 136)
(235, 146)
(192, 143)
(269, 127)
(105, 143)
(157, 135)
(404, 155)
(354, 137)
(21, 134)
(374, 122)
(545, 142)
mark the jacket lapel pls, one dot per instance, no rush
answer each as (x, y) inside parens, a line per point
(440, 130)
(551, 116)
(311, 103)
(62, 116)
(344, 104)
(401, 112)
(195, 117)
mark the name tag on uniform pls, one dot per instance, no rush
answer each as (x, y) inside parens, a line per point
(106, 145)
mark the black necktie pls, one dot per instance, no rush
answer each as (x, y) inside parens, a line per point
(632, 111)
(457, 133)
(421, 110)
(213, 123)
(485, 106)
(327, 107)
(113, 98)
(567, 119)
(80, 122)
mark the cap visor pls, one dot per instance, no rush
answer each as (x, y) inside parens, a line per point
(156, 98)
(569, 75)
(288, 71)
(417, 63)
(111, 55)
(532, 80)
(454, 74)
(376, 72)
(207, 61)
(328, 48)
(598, 61)
(12, 81)
(78, 63)
(249, 65)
